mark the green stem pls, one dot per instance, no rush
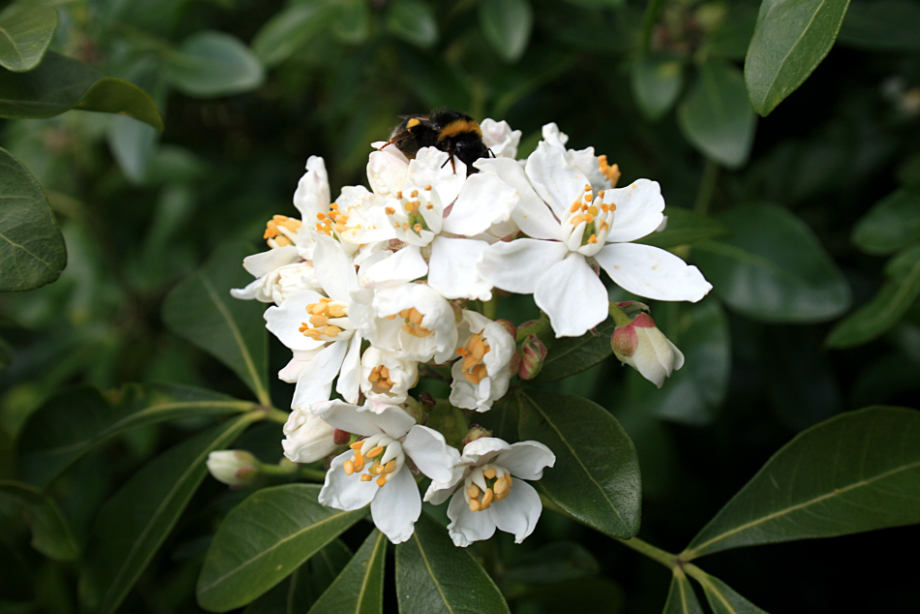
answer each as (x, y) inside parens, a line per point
(314, 474)
(707, 186)
(619, 316)
(651, 16)
(657, 554)
(490, 309)
(276, 415)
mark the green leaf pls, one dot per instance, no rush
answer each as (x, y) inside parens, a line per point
(656, 82)
(133, 144)
(289, 30)
(60, 83)
(685, 227)
(412, 21)
(25, 33)
(434, 577)
(716, 116)
(890, 225)
(6, 354)
(694, 393)
(681, 598)
(897, 294)
(858, 471)
(74, 422)
(723, 599)
(790, 40)
(570, 355)
(213, 64)
(32, 251)
(359, 588)
(352, 21)
(133, 524)
(435, 81)
(886, 25)
(552, 563)
(506, 24)
(201, 309)
(596, 476)
(772, 267)
(264, 539)
(51, 534)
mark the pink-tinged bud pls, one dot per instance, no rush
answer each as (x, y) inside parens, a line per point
(233, 467)
(475, 433)
(511, 328)
(643, 347)
(533, 353)
(633, 308)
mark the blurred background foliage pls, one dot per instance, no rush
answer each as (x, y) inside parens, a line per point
(806, 221)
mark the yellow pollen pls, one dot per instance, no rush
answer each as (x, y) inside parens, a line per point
(366, 477)
(335, 311)
(414, 193)
(356, 445)
(593, 210)
(399, 195)
(334, 206)
(331, 331)
(320, 216)
(413, 325)
(500, 486)
(486, 500)
(428, 188)
(472, 491)
(600, 194)
(349, 467)
(474, 505)
(390, 467)
(489, 472)
(318, 320)
(592, 239)
(381, 480)
(587, 188)
(472, 353)
(389, 210)
(610, 171)
(375, 451)
(417, 228)
(273, 229)
(380, 379)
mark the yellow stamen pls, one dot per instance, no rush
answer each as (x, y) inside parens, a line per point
(375, 451)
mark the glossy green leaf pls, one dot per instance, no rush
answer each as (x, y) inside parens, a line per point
(264, 539)
(359, 588)
(716, 116)
(553, 562)
(596, 476)
(438, 83)
(213, 64)
(723, 599)
(891, 224)
(887, 307)
(656, 82)
(201, 309)
(681, 598)
(858, 471)
(772, 267)
(685, 227)
(133, 144)
(51, 534)
(74, 422)
(730, 38)
(32, 251)
(570, 355)
(886, 25)
(60, 83)
(413, 21)
(291, 29)
(133, 524)
(25, 33)
(435, 577)
(790, 40)
(506, 24)
(352, 21)
(694, 393)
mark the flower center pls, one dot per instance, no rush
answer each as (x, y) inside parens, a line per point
(380, 379)
(327, 320)
(610, 171)
(413, 322)
(280, 230)
(472, 353)
(485, 485)
(410, 215)
(587, 222)
(375, 458)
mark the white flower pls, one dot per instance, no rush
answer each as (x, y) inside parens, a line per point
(485, 496)
(307, 438)
(482, 374)
(374, 469)
(386, 378)
(643, 347)
(573, 226)
(279, 273)
(233, 467)
(499, 138)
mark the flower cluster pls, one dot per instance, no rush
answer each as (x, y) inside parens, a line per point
(374, 287)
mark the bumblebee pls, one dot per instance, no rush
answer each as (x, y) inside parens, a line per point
(456, 133)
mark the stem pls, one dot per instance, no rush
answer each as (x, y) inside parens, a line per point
(657, 554)
(490, 309)
(275, 415)
(619, 316)
(314, 474)
(651, 16)
(707, 186)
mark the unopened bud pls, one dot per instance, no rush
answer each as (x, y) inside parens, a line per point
(533, 353)
(642, 346)
(511, 328)
(307, 438)
(233, 467)
(475, 433)
(340, 437)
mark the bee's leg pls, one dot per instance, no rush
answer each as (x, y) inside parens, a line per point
(396, 139)
(450, 158)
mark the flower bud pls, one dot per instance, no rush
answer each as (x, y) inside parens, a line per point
(533, 353)
(475, 433)
(307, 437)
(233, 467)
(642, 346)
(511, 328)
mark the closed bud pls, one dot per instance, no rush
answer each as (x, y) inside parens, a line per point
(475, 433)
(533, 353)
(307, 438)
(511, 328)
(233, 467)
(643, 347)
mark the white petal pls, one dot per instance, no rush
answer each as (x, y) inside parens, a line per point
(397, 506)
(638, 212)
(343, 491)
(519, 512)
(526, 459)
(557, 183)
(315, 380)
(517, 265)
(453, 272)
(652, 272)
(572, 296)
(353, 419)
(465, 526)
(350, 372)
(312, 193)
(483, 201)
(265, 262)
(401, 266)
(480, 451)
(430, 453)
(531, 214)
(284, 321)
(334, 269)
